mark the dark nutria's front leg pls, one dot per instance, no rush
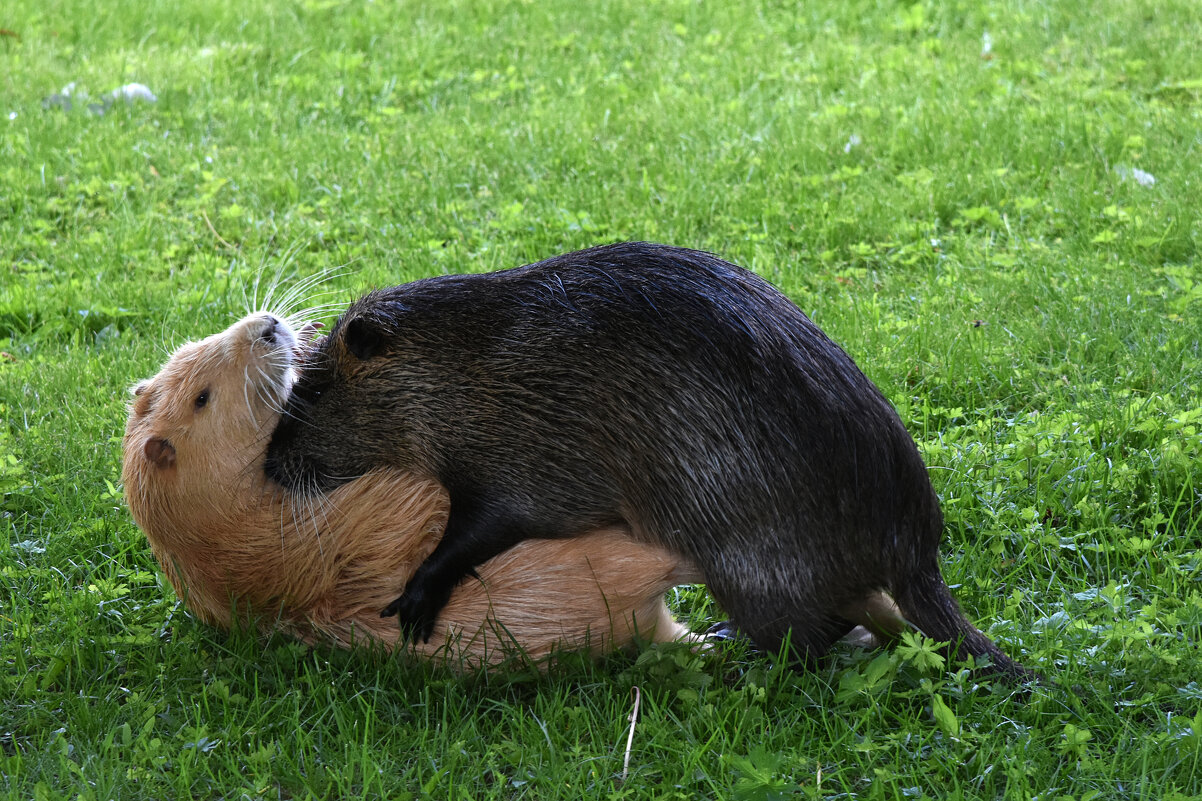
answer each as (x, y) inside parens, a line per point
(476, 531)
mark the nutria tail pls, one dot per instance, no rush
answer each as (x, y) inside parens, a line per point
(926, 602)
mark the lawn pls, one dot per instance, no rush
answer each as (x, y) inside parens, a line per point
(993, 206)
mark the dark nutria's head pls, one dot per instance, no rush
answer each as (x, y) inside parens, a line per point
(345, 413)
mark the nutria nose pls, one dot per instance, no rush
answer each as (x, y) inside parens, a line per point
(270, 326)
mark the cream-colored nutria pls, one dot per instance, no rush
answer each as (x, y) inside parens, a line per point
(233, 544)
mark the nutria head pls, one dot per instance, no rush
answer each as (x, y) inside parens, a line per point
(196, 430)
(348, 395)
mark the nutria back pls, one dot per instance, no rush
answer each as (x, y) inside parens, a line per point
(642, 385)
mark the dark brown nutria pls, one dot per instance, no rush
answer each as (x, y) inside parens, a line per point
(640, 385)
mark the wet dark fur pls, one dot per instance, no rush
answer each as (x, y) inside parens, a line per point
(644, 385)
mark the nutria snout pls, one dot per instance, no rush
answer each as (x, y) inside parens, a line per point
(305, 477)
(656, 388)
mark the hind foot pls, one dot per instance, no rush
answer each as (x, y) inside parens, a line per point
(727, 631)
(861, 637)
(724, 630)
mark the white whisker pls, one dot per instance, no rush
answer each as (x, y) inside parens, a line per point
(302, 288)
(250, 410)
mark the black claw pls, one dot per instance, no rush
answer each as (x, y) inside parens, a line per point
(421, 629)
(413, 617)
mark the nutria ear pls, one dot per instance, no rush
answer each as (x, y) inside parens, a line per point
(160, 452)
(363, 338)
(140, 387)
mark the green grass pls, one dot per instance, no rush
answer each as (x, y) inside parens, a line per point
(961, 224)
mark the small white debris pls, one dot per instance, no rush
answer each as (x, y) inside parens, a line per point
(1135, 174)
(852, 141)
(1143, 178)
(986, 46)
(65, 98)
(133, 91)
(69, 97)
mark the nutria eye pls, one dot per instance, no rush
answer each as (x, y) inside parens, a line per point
(202, 399)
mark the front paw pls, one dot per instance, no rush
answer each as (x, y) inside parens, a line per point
(416, 612)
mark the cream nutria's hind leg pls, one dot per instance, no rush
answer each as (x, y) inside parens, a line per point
(650, 621)
(669, 629)
(880, 617)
